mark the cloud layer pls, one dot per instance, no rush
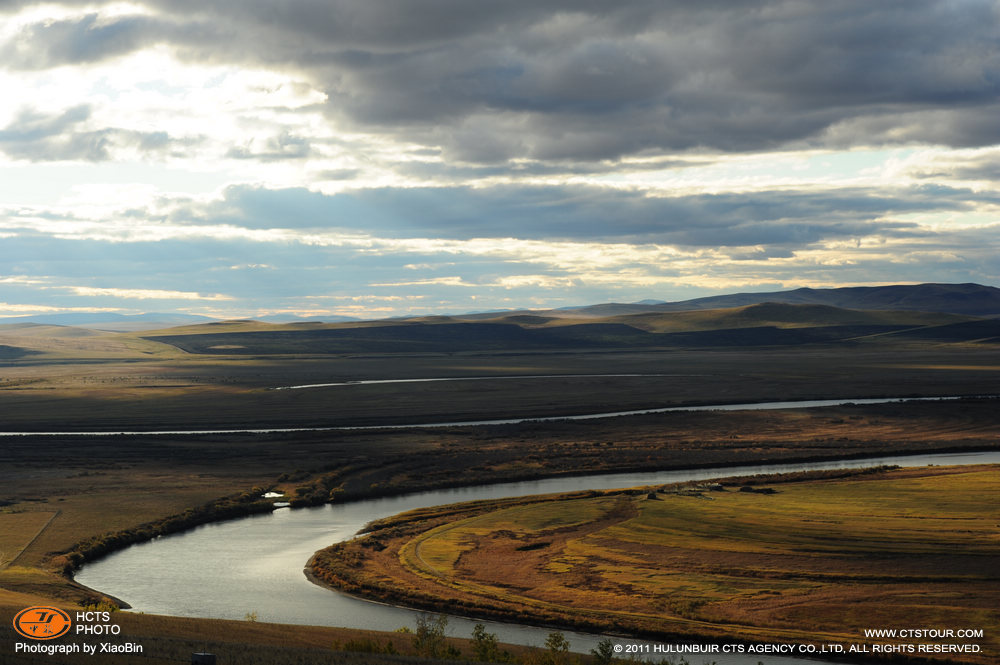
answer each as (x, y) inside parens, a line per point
(451, 155)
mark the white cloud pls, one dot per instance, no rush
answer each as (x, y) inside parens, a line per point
(22, 280)
(435, 281)
(143, 294)
(20, 309)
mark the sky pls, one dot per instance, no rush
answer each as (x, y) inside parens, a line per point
(377, 158)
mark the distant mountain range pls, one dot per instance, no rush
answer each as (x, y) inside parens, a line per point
(963, 299)
(967, 299)
(766, 324)
(151, 321)
(109, 320)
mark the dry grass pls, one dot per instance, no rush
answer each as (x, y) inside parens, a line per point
(124, 380)
(17, 530)
(99, 485)
(818, 560)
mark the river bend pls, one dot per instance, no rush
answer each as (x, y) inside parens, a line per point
(255, 564)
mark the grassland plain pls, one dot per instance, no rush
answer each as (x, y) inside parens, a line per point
(809, 560)
(224, 375)
(84, 490)
(238, 392)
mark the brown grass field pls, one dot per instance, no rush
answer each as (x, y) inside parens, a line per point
(816, 561)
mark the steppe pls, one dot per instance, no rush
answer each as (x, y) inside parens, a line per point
(73, 495)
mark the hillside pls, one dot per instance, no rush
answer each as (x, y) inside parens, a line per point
(913, 314)
(967, 299)
(767, 324)
(778, 315)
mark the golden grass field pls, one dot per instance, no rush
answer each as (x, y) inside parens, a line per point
(18, 531)
(818, 560)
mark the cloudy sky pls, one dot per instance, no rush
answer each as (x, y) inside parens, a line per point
(382, 157)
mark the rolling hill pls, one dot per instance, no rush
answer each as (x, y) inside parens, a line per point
(967, 299)
(923, 313)
(766, 324)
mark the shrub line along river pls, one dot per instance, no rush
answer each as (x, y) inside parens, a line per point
(254, 564)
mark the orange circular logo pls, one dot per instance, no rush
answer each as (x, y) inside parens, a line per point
(42, 623)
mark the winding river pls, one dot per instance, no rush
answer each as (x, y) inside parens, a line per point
(751, 406)
(255, 564)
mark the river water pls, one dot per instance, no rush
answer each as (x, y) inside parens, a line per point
(500, 377)
(752, 406)
(255, 564)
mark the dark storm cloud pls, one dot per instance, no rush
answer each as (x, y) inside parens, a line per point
(36, 136)
(781, 220)
(76, 41)
(492, 81)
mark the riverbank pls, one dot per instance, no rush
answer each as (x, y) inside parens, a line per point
(252, 502)
(814, 580)
(226, 561)
(143, 487)
(114, 484)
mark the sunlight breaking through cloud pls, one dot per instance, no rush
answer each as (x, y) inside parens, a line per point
(529, 155)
